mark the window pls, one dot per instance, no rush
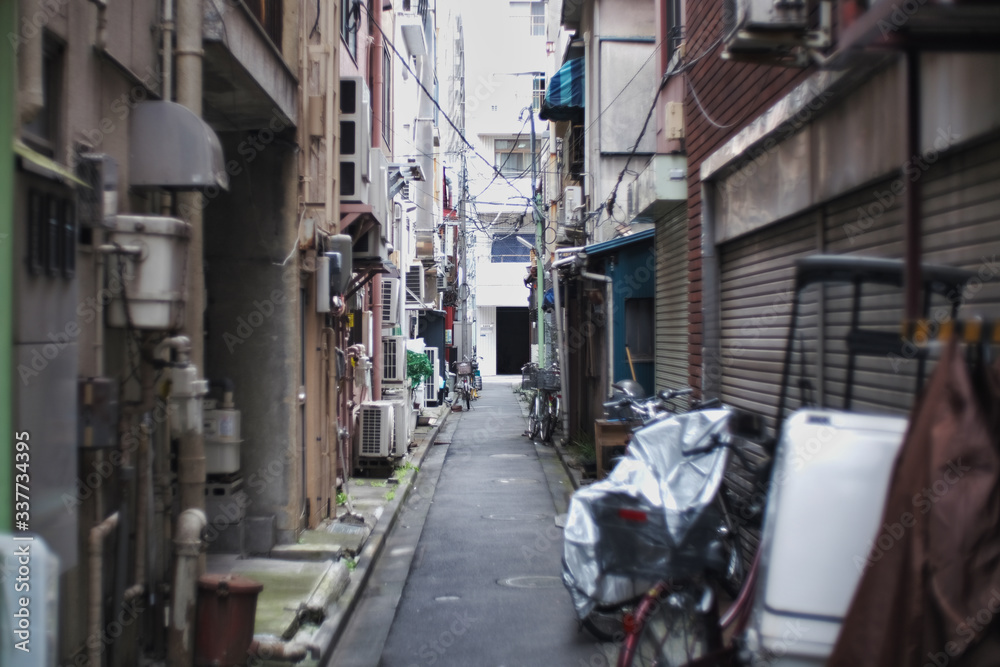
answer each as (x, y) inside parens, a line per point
(350, 18)
(43, 129)
(387, 97)
(508, 249)
(639, 330)
(675, 29)
(537, 92)
(513, 157)
(534, 13)
(51, 234)
(538, 19)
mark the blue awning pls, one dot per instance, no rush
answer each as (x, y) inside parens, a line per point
(564, 94)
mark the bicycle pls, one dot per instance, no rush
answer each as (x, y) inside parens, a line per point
(629, 528)
(543, 417)
(679, 621)
(463, 384)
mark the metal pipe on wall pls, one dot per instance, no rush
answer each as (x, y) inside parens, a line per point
(95, 610)
(561, 342)
(609, 315)
(189, 53)
(187, 546)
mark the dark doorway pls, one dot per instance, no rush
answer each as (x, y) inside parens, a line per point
(513, 349)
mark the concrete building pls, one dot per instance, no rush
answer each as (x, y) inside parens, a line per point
(501, 103)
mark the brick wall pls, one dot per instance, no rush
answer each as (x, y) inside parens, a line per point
(732, 95)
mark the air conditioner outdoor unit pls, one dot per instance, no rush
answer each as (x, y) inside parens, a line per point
(375, 434)
(415, 285)
(764, 28)
(371, 245)
(390, 301)
(432, 383)
(401, 427)
(355, 140)
(770, 14)
(394, 359)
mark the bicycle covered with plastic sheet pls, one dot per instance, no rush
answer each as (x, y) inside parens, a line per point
(657, 515)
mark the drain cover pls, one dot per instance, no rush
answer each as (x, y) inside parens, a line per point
(508, 456)
(345, 529)
(516, 480)
(514, 517)
(447, 598)
(531, 582)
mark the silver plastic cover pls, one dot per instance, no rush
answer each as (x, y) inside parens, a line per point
(609, 558)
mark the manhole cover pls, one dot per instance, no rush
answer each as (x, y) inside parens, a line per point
(447, 598)
(508, 456)
(531, 582)
(514, 517)
(516, 480)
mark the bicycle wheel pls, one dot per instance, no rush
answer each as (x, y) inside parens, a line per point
(468, 399)
(547, 419)
(669, 631)
(533, 418)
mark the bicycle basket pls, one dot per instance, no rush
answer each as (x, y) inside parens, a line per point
(548, 380)
(465, 368)
(529, 377)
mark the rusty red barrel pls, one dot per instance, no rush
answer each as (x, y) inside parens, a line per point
(227, 604)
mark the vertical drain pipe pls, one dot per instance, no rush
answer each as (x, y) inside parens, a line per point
(561, 343)
(609, 317)
(95, 614)
(187, 546)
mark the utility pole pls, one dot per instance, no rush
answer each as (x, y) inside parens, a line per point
(539, 246)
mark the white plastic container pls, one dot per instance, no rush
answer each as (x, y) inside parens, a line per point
(829, 485)
(152, 283)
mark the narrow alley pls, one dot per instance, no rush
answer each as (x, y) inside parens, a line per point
(471, 573)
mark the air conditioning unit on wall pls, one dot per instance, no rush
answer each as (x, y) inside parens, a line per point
(355, 139)
(375, 433)
(394, 359)
(390, 301)
(371, 245)
(415, 284)
(401, 427)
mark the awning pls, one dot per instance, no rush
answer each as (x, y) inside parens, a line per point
(45, 165)
(564, 94)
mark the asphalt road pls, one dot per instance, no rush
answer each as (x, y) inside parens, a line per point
(470, 575)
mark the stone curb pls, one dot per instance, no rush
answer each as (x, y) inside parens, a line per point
(330, 631)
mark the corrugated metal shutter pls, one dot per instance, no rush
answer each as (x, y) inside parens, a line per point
(755, 305)
(671, 369)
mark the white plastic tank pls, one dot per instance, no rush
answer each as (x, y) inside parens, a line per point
(149, 282)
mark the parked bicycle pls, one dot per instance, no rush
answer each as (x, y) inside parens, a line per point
(543, 419)
(616, 545)
(463, 382)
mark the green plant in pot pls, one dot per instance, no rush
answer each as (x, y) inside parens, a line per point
(585, 452)
(418, 367)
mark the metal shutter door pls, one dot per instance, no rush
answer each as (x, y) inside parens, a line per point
(671, 368)
(755, 307)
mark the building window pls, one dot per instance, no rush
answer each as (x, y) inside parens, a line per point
(538, 19)
(508, 249)
(387, 97)
(513, 156)
(43, 130)
(537, 92)
(350, 19)
(675, 28)
(639, 330)
(534, 13)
